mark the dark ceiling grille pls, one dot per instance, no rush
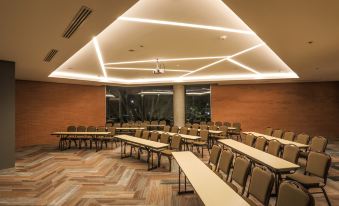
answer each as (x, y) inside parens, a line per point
(76, 22)
(50, 55)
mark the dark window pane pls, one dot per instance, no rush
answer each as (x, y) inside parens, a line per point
(197, 102)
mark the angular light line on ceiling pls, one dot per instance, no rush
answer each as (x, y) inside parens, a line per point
(166, 60)
(101, 61)
(182, 24)
(204, 67)
(243, 66)
(145, 69)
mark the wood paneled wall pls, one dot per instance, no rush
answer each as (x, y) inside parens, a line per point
(42, 108)
(301, 107)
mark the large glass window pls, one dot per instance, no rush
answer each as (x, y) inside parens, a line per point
(197, 103)
(139, 103)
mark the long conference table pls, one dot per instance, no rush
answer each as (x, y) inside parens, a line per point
(94, 136)
(185, 137)
(282, 141)
(148, 145)
(277, 165)
(211, 189)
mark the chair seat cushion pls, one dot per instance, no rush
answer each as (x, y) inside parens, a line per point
(167, 152)
(199, 143)
(305, 180)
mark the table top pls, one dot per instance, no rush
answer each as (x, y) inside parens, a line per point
(275, 163)
(211, 189)
(143, 142)
(129, 128)
(282, 141)
(80, 133)
(185, 136)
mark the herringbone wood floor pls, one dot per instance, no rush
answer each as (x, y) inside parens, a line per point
(46, 176)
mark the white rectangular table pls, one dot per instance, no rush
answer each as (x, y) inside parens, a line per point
(282, 141)
(275, 164)
(149, 145)
(211, 189)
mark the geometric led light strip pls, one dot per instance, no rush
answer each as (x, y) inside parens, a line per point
(145, 69)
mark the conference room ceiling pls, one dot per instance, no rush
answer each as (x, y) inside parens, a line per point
(212, 46)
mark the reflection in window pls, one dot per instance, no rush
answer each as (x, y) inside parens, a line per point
(125, 104)
(197, 103)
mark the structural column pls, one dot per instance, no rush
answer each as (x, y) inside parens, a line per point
(7, 114)
(179, 105)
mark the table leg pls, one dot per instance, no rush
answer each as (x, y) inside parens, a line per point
(185, 181)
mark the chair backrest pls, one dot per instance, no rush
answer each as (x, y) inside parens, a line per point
(91, 129)
(101, 129)
(214, 156)
(288, 136)
(138, 133)
(145, 134)
(302, 138)
(292, 193)
(210, 123)
(260, 143)
(202, 123)
(125, 124)
(175, 129)
(277, 133)
(81, 129)
(154, 136)
(109, 124)
(318, 164)
(187, 124)
(146, 122)
(261, 185)
(164, 138)
(111, 130)
(196, 126)
(71, 129)
(225, 162)
(237, 125)
(213, 127)
(176, 142)
(154, 122)
(204, 126)
(227, 124)
(273, 147)
(218, 123)
(318, 144)
(117, 124)
(268, 131)
(143, 124)
(241, 170)
(183, 130)
(223, 128)
(250, 138)
(291, 153)
(167, 128)
(193, 131)
(204, 135)
(162, 122)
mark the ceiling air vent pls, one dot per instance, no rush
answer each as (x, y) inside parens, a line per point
(50, 55)
(76, 22)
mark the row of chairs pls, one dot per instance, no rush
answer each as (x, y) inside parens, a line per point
(235, 171)
(135, 124)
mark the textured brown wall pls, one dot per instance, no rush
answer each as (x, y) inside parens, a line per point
(42, 108)
(301, 107)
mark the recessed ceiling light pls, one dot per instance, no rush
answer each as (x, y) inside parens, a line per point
(131, 50)
(181, 24)
(223, 37)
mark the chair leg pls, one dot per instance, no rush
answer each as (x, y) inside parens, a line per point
(170, 163)
(159, 159)
(325, 194)
(202, 152)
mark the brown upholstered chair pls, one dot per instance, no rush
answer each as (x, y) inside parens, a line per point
(241, 170)
(210, 123)
(196, 126)
(268, 131)
(249, 140)
(288, 136)
(188, 125)
(318, 144)
(183, 130)
(214, 157)
(175, 129)
(260, 143)
(175, 146)
(213, 127)
(316, 172)
(261, 185)
(91, 140)
(70, 138)
(291, 153)
(117, 124)
(111, 135)
(302, 138)
(167, 128)
(202, 123)
(162, 122)
(293, 194)
(145, 134)
(82, 138)
(225, 163)
(204, 126)
(218, 123)
(237, 132)
(277, 133)
(154, 122)
(137, 134)
(164, 138)
(273, 147)
(154, 136)
(201, 142)
(193, 131)
(103, 138)
(227, 124)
